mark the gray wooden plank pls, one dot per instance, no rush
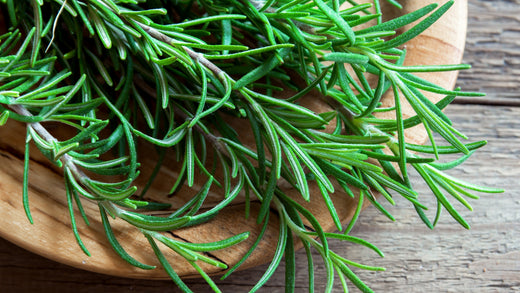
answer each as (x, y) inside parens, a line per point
(492, 48)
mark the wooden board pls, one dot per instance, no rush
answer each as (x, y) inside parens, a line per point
(51, 229)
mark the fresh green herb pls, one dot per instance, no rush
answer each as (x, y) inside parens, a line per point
(170, 72)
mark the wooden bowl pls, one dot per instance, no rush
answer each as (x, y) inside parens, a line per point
(51, 235)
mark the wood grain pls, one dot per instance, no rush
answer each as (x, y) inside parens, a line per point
(492, 50)
(484, 259)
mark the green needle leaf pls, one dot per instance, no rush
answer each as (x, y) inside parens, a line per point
(278, 254)
(25, 184)
(341, 24)
(153, 223)
(115, 244)
(166, 265)
(417, 29)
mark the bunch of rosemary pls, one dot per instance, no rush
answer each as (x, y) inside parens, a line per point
(172, 73)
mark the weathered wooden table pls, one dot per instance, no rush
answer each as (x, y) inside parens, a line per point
(448, 259)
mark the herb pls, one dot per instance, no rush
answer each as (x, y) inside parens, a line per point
(175, 73)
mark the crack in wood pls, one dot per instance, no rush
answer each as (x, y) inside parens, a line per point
(487, 101)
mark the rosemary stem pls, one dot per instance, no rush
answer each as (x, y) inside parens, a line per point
(66, 159)
(193, 55)
(210, 137)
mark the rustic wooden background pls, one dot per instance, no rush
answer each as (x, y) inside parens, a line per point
(448, 259)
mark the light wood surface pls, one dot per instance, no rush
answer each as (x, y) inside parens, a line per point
(485, 259)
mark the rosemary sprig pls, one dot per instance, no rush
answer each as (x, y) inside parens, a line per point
(176, 73)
